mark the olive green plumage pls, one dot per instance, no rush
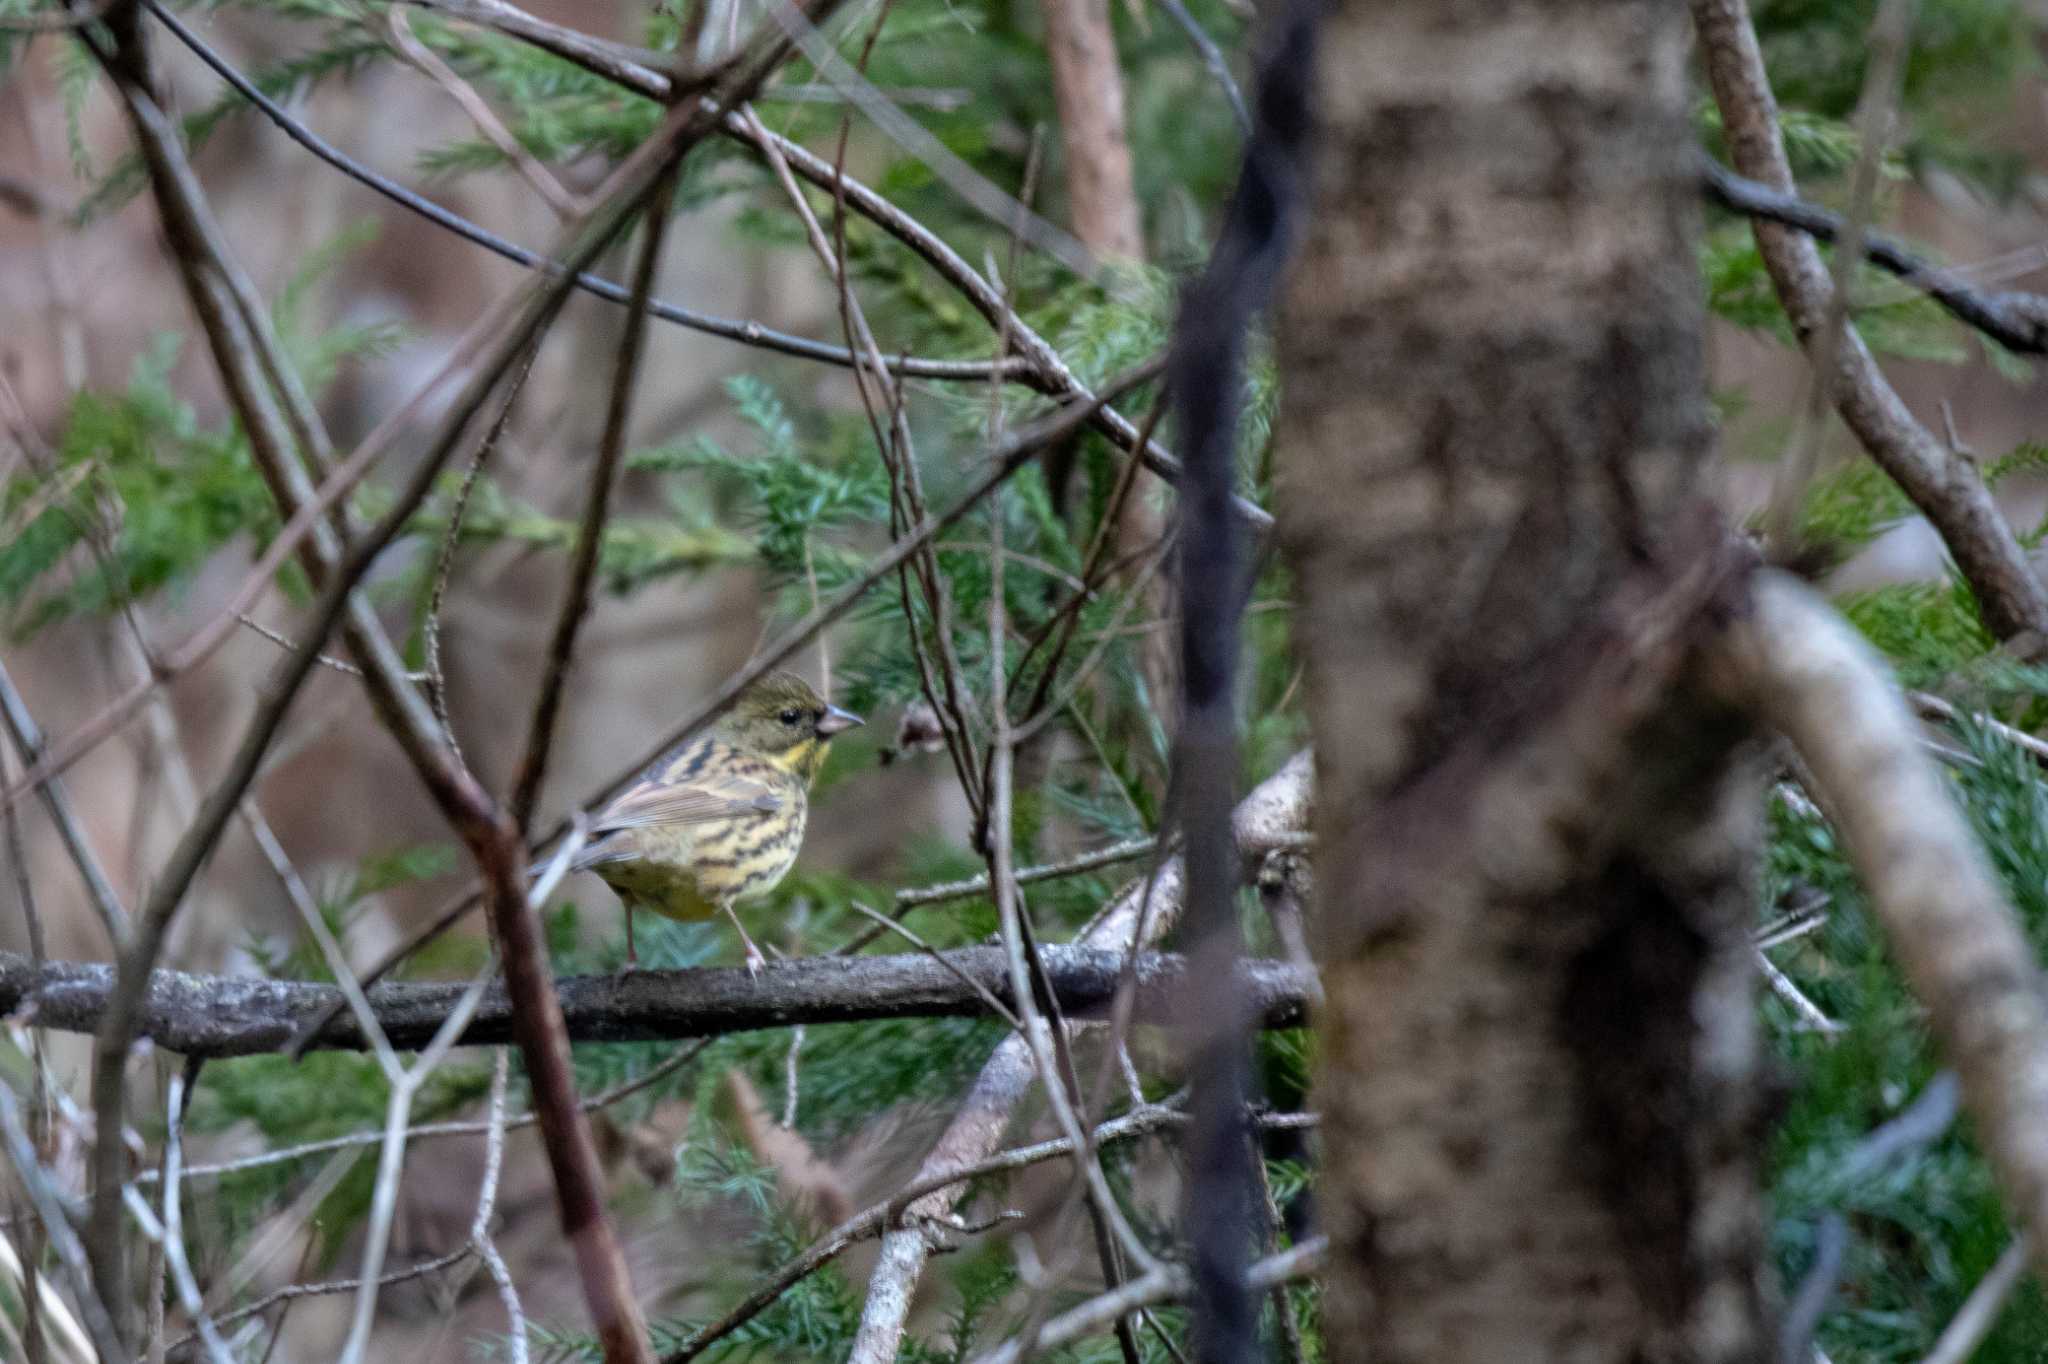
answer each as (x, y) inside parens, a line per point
(720, 818)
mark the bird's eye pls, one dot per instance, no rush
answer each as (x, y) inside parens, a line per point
(790, 716)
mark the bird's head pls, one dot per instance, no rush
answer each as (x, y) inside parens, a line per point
(782, 720)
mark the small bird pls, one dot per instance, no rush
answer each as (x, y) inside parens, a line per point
(718, 819)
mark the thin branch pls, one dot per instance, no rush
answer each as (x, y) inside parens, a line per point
(171, 1228)
(1810, 675)
(1213, 58)
(885, 1215)
(1142, 913)
(745, 333)
(49, 1206)
(583, 560)
(1943, 485)
(428, 1131)
(2016, 320)
(405, 1086)
(28, 743)
(1169, 1283)
(1043, 368)
(480, 113)
(486, 1201)
(436, 680)
(989, 997)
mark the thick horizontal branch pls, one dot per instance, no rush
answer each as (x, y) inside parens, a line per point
(2016, 320)
(215, 1016)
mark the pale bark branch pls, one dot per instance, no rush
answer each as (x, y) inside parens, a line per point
(1811, 676)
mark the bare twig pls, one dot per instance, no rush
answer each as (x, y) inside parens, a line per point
(1213, 58)
(886, 1215)
(28, 743)
(436, 680)
(405, 1085)
(745, 333)
(49, 1206)
(170, 1230)
(1144, 911)
(481, 114)
(2017, 321)
(486, 1201)
(1168, 1283)
(583, 560)
(1811, 676)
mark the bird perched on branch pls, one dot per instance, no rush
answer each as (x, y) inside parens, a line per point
(718, 819)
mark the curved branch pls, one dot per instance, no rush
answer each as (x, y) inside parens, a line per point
(1944, 485)
(1811, 676)
(221, 1016)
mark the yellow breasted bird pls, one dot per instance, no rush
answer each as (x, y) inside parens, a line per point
(719, 818)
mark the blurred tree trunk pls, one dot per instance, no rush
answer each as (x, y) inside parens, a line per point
(1102, 204)
(1537, 838)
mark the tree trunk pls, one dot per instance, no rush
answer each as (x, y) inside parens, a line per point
(1537, 839)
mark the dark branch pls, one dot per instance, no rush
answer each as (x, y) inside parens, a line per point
(2017, 321)
(219, 1016)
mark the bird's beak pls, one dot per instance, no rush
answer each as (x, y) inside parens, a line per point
(837, 721)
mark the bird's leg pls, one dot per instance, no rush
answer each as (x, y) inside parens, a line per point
(632, 962)
(755, 961)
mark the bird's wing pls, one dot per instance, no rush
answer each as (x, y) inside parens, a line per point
(706, 796)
